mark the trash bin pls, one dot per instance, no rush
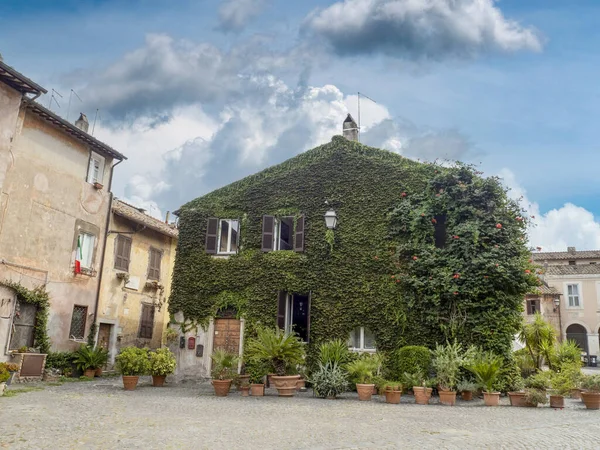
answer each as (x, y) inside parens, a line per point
(593, 361)
(585, 359)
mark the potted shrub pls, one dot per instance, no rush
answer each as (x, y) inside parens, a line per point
(393, 392)
(535, 392)
(516, 394)
(591, 393)
(301, 383)
(563, 382)
(12, 369)
(282, 351)
(257, 370)
(466, 389)
(132, 362)
(89, 359)
(224, 369)
(447, 361)
(362, 372)
(535, 397)
(329, 380)
(486, 367)
(162, 363)
(421, 387)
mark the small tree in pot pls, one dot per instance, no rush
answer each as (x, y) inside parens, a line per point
(486, 367)
(466, 389)
(362, 371)
(257, 370)
(535, 389)
(224, 369)
(89, 359)
(132, 362)
(591, 393)
(162, 363)
(447, 361)
(284, 352)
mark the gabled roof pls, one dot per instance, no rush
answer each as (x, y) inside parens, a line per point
(18, 81)
(120, 208)
(544, 289)
(580, 254)
(578, 269)
(71, 129)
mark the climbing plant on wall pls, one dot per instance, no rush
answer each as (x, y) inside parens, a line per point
(40, 298)
(363, 274)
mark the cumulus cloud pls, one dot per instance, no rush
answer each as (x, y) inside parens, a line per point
(234, 15)
(559, 228)
(420, 29)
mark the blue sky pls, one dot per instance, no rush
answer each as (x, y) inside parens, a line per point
(185, 87)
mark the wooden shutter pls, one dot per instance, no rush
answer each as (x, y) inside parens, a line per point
(122, 252)
(268, 229)
(281, 303)
(154, 264)
(147, 322)
(299, 236)
(212, 229)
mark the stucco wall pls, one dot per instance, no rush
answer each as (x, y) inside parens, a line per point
(121, 304)
(10, 100)
(47, 200)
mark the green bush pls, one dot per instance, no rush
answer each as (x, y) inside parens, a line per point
(409, 359)
(133, 361)
(162, 362)
(87, 357)
(509, 377)
(591, 383)
(535, 397)
(59, 360)
(363, 370)
(4, 373)
(486, 368)
(567, 377)
(334, 352)
(257, 369)
(566, 352)
(224, 365)
(524, 362)
(448, 360)
(329, 380)
(283, 351)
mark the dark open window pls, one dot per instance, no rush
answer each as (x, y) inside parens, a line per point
(154, 264)
(122, 252)
(293, 314)
(439, 232)
(285, 233)
(147, 322)
(533, 306)
(78, 320)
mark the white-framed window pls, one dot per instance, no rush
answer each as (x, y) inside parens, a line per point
(574, 295)
(361, 340)
(85, 249)
(283, 235)
(229, 236)
(95, 169)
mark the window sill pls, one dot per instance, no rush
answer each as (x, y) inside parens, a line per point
(81, 341)
(86, 272)
(362, 350)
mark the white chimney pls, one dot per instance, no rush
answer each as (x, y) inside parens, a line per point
(350, 129)
(82, 123)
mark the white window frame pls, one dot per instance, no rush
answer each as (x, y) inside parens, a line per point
(568, 296)
(361, 348)
(228, 251)
(96, 165)
(86, 263)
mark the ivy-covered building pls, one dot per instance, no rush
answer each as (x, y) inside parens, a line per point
(263, 251)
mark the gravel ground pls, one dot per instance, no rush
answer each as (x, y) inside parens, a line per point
(100, 415)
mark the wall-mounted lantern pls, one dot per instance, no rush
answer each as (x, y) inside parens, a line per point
(556, 303)
(331, 219)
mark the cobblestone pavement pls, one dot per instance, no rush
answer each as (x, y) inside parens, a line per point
(99, 414)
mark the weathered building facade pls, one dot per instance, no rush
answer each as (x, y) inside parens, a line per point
(54, 203)
(136, 280)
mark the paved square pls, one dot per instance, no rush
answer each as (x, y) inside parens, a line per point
(100, 415)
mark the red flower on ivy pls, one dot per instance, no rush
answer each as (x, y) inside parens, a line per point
(456, 237)
(498, 225)
(519, 219)
(456, 276)
(497, 265)
(404, 194)
(527, 271)
(433, 221)
(422, 215)
(455, 292)
(485, 276)
(415, 258)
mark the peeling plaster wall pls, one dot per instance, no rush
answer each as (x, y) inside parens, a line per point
(46, 202)
(121, 306)
(10, 101)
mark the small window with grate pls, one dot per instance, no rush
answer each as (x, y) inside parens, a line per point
(533, 306)
(146, 322)
(154, 264)
(122, 252)
(78, 320)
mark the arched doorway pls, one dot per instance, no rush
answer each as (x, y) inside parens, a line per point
(577, 333)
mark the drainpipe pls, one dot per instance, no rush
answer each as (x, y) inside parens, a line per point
(112, 169)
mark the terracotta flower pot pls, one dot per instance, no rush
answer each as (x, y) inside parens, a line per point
(245, 389)
(221, 387)
(448, 398)
(257, 390)
(375, 391)
(576, 394)
(466, 396)
(300, 384)
(422, 395)
(491, 398)
(517, 398)
(243, 380)
(557, 401)
(591, 399)
(285, 385)
(393, 396)
(90, 373)
(98, 372)
(365, 391)
(130, 382)
(158, 380)
(270, 382)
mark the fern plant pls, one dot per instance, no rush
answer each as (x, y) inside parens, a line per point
(486, 368)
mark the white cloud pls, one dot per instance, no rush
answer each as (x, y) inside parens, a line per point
(234, 15)
(420, 29)
(557, 229)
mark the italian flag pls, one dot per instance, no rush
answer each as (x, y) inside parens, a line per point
(78, 256)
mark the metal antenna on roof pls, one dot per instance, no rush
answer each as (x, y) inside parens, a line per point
(369, 98)
(94, 125)
(71, 95)
(52, 97)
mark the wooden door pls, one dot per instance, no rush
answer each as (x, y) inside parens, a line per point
(227, 335)
(23, 326)
(104, 332)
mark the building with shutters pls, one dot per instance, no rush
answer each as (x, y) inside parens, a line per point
(570, 296)
(55, 181)
(136, 279)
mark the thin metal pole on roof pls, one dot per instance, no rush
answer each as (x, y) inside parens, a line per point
(369, 98)
(71, 95)
(52, 97)
(94, 125)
